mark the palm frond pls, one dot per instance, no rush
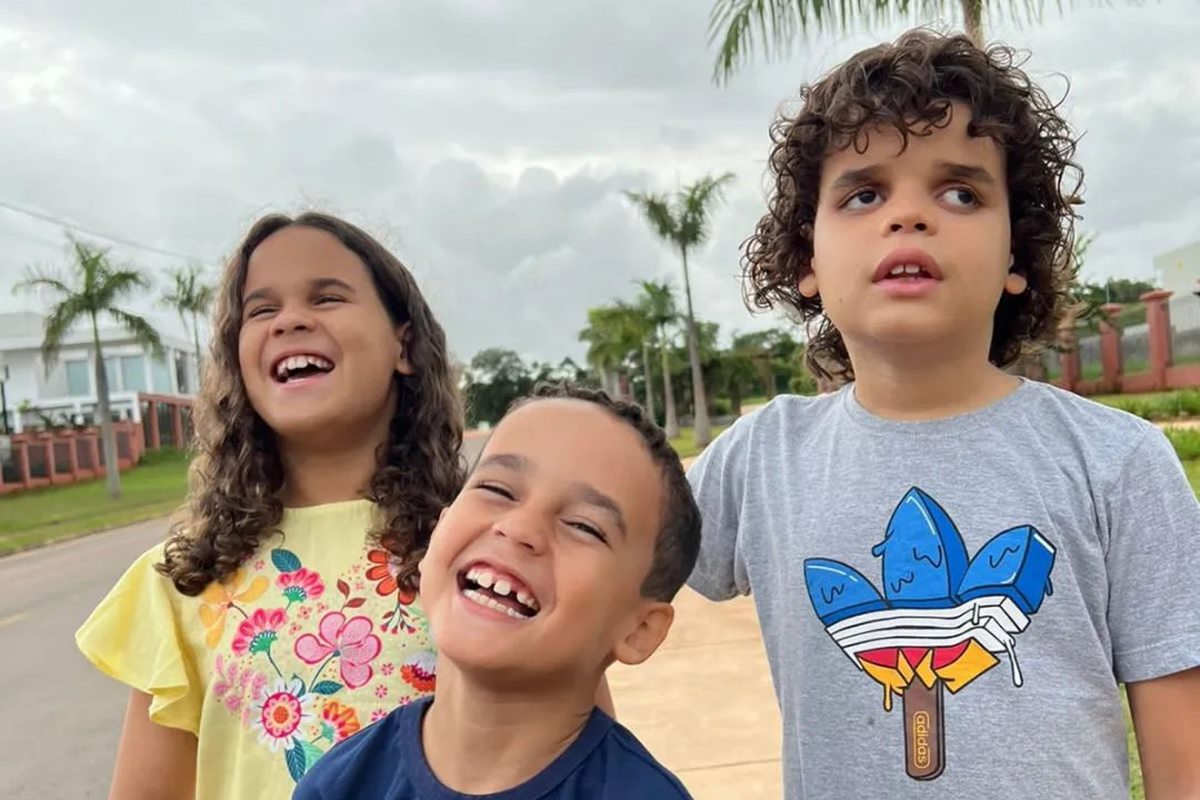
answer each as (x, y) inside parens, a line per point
(141, 330)
(116, 285)
(39, 281)
(695, 202)
(59, 321)
(657, 212)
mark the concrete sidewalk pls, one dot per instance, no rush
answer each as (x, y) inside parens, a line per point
(704, 704)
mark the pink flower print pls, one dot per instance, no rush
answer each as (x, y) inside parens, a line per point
(350, 640)
(259, 565)
(388, 668)
(300, 585)
(381, 691)
(305, 612)
(378, 714)
(281, 713)
(293, 629)
(258, 633)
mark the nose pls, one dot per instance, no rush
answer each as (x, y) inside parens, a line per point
(909, 215)
(525, 531)
(291, 319)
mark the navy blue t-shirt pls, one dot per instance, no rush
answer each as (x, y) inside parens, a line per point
(386, 761)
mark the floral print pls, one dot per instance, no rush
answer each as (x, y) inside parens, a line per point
(304, 671)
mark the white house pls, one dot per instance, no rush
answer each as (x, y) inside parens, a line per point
(68, 389)
(1179, 270)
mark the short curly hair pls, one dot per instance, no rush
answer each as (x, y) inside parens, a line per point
(910, 85)
(677, 545)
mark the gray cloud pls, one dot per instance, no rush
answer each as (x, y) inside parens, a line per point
(488, 143)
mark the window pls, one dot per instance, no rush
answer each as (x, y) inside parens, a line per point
(112, 371)
(162, 375)
(79, 378)
(133, 374)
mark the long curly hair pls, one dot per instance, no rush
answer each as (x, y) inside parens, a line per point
(236, 474)
(910, 85)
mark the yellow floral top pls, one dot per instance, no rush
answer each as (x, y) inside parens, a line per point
(309, 642)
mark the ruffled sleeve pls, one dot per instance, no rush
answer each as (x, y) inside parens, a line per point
(136, 635)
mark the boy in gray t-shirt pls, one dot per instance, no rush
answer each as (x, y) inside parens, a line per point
(954, 569)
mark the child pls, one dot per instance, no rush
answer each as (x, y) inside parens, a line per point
(954, 568)
(281, 616)
(561, 556)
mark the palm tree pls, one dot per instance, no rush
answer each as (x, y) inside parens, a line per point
(97, 288)
(611, 337)
(736, 24)
(190, 295)
(683, 222)
(644, 327)
(658, 305)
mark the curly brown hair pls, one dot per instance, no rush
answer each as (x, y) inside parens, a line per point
(235, 477)
(911, 85)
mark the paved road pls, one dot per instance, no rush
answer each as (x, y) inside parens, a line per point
(59, 717)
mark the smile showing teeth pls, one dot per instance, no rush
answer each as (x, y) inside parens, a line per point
(288, 367)
(481, 583)
(907, 271)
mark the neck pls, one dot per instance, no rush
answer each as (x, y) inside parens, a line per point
(481, 739)
(923, 383)
(333, 469)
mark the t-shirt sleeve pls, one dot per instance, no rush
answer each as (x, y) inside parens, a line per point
(718, 480)
(1153, 565)
(135, 635)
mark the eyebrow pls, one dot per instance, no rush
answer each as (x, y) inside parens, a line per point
(316, 286)
(583, 492)
(948, 169)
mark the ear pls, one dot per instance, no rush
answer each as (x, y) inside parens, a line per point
(651, 624)
(403, 365)
(1015, 283)
(807, 285)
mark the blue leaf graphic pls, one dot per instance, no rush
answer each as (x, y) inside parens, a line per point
(285, 560)
(297, 761)
(326, 687)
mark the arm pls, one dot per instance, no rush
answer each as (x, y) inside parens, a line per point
(153, 762)
(1165, 715)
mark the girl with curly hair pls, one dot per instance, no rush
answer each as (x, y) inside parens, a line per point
(954, 567)
(281, 615)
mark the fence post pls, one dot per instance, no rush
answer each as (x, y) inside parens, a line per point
(1111, 360)
(1158, 320)
(1068, 357)
(152, 412)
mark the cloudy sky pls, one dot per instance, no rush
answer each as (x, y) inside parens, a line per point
(488, 141)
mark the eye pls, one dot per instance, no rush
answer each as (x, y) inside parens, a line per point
(258, 311)
(960, 197)
(862, 200)
(325, 299)
(496, 489)
(589, 529)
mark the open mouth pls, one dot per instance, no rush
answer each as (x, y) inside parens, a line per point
(499, 591)
(908, 272)
(297, 367)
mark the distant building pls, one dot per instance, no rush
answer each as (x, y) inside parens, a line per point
(1179, 270)
(67, 392)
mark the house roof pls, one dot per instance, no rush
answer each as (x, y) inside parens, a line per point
(22, 330)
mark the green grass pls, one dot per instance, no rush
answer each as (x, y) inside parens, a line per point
(1157, 406)
(155, 487)
(685, 442)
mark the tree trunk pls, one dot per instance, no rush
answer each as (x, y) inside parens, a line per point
(649, 379)
(672, 418)
(973, 20)
(108, 435)
(199, 358)
(735, 398)
(767, 375)
(701, 425)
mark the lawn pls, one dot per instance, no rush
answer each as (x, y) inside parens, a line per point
(155, 487)
(685, 442)
(1156, 406)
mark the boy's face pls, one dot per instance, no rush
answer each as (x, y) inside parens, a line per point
(913, 248)
(533, 573)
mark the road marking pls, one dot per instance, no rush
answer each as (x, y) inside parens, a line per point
(20, 615)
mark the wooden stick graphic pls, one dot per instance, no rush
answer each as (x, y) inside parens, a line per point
(924, 733)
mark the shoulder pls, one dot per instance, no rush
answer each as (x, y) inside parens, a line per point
(785, 417)
(1094, 431)
(638, 776)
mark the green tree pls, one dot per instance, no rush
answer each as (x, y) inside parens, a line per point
(613, 335)
(683, 221)
(741, 25)
(657, 302)
(94, 288)
(495, 378)
(191, 296)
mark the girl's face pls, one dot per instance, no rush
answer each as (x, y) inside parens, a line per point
(317, 349)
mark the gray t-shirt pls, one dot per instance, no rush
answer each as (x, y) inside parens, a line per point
(990, 578)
